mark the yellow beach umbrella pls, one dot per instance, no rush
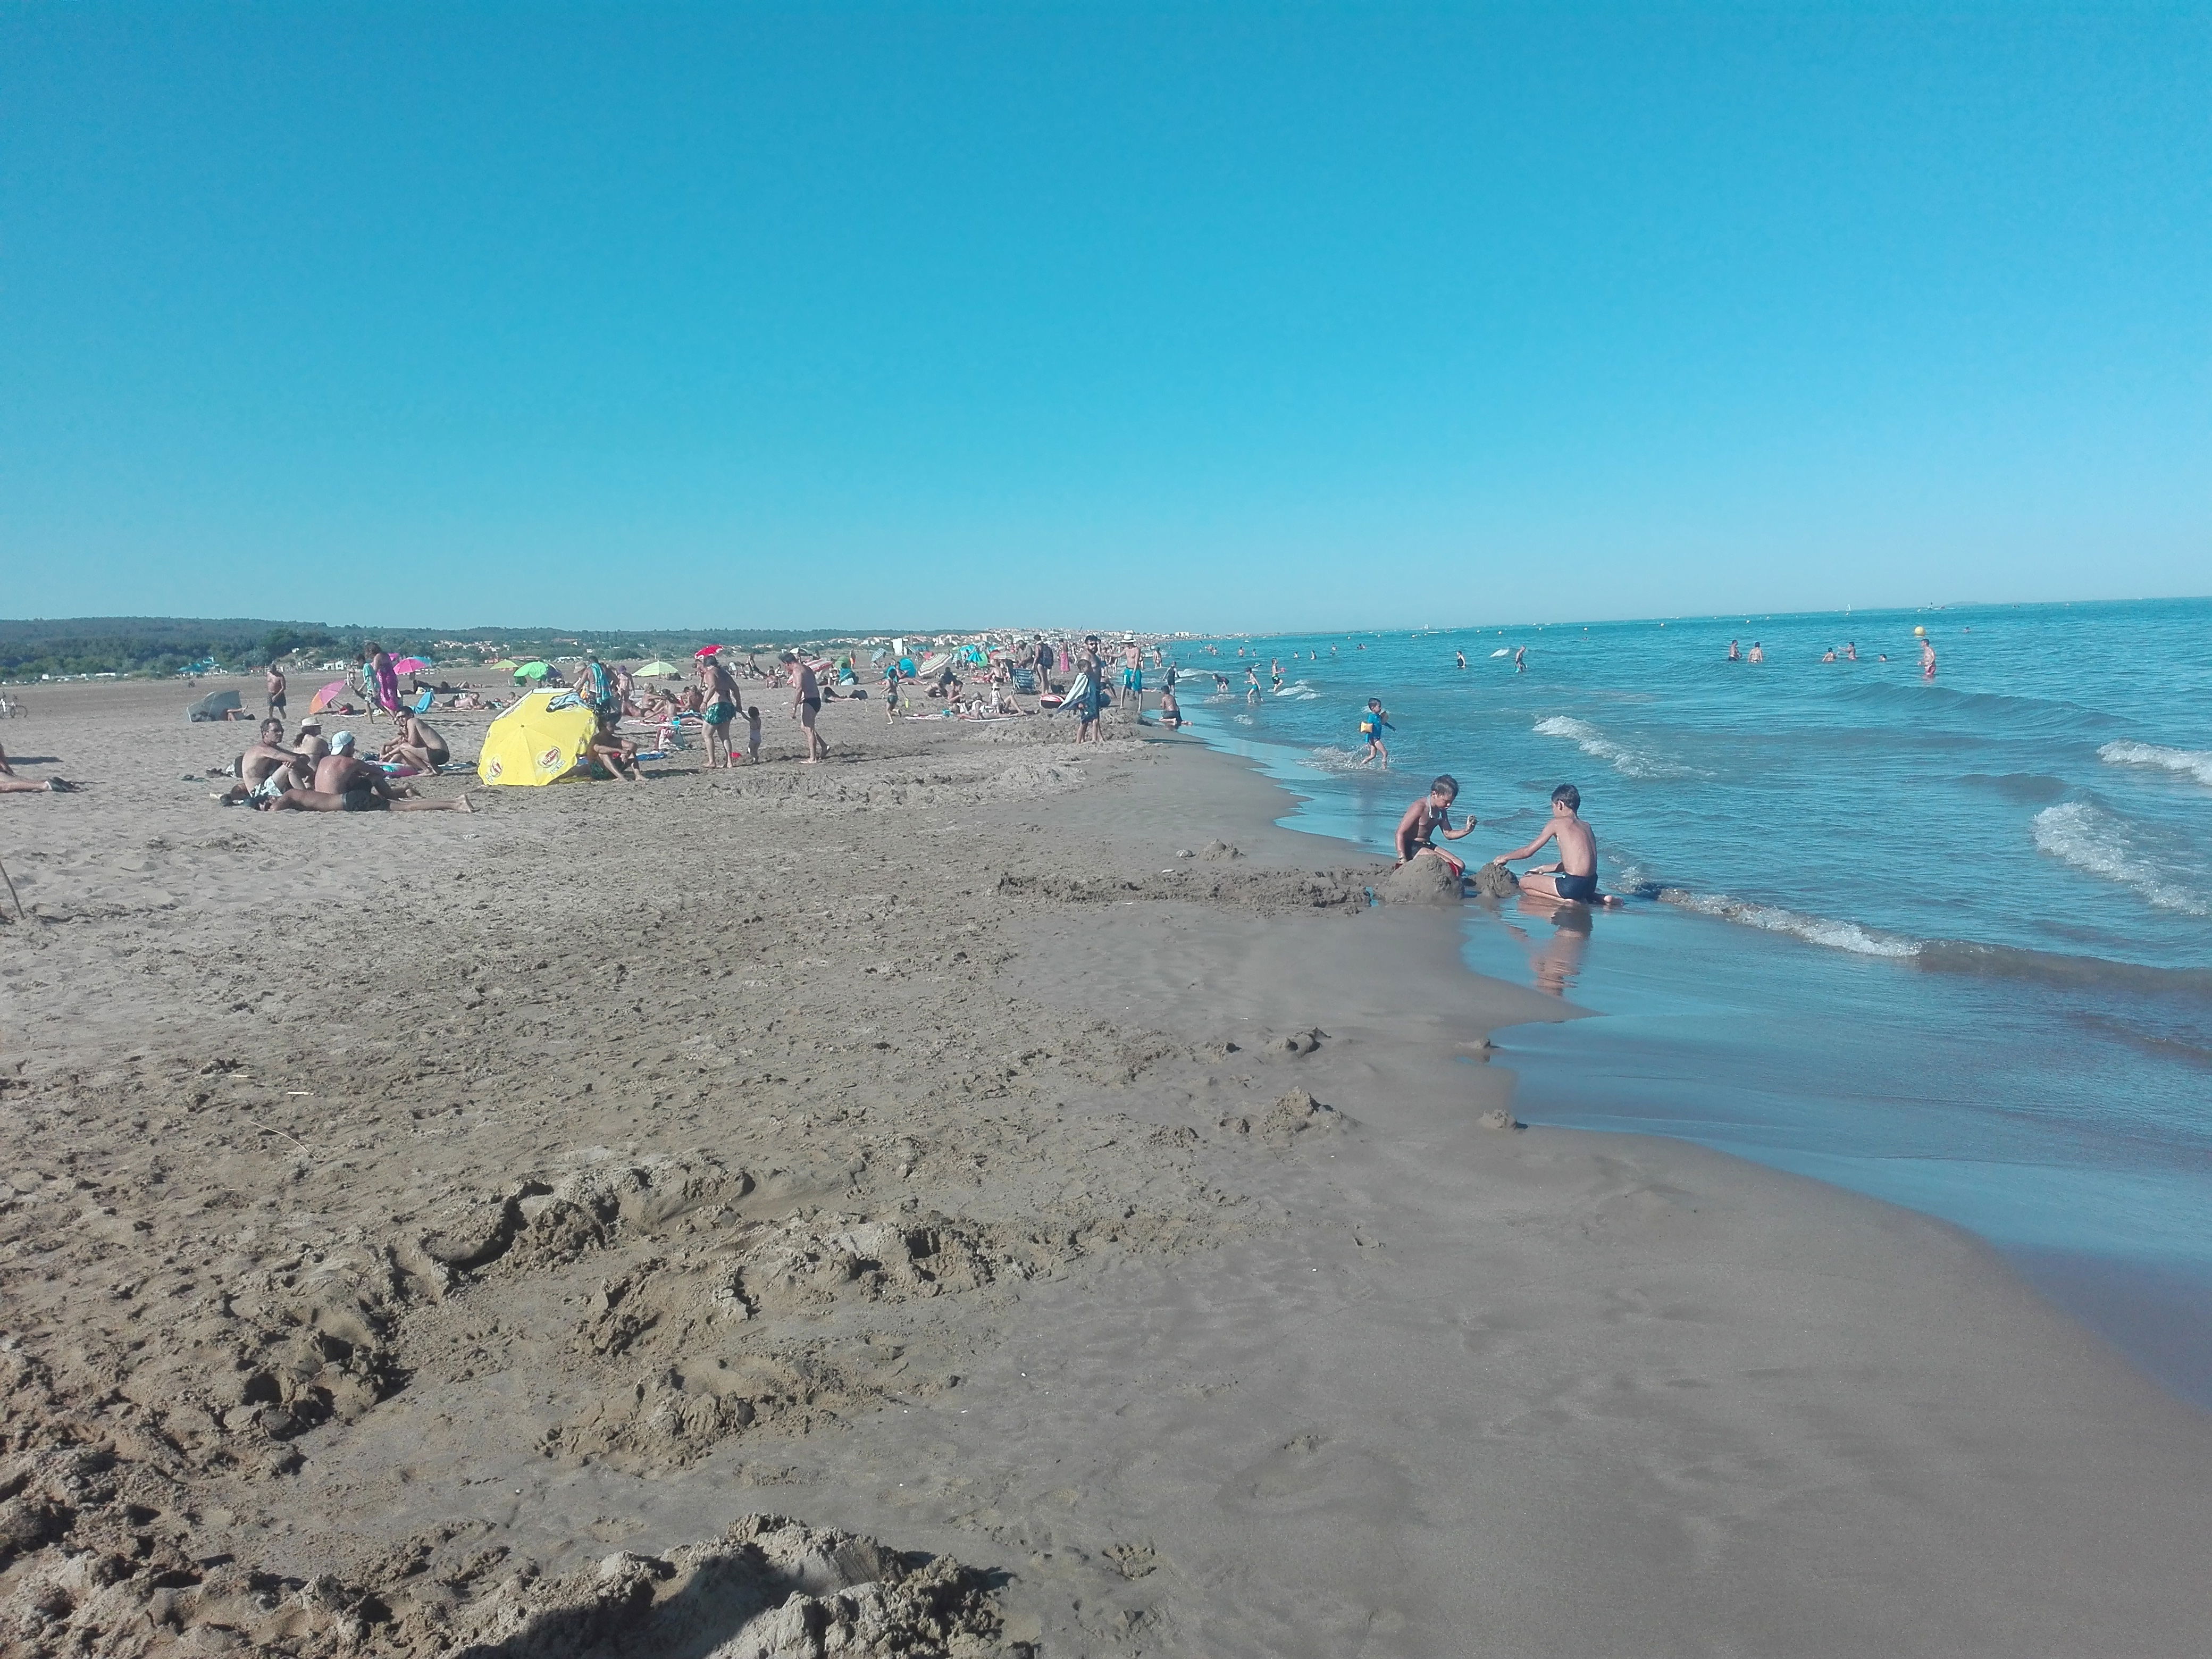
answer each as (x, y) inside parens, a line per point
(533, 743)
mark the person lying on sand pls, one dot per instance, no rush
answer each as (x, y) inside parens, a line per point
(1428, 815)
(12, 785)
(1574, 876)
(417, 745)
(343, 784)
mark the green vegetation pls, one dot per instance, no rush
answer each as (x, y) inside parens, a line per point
(171, 645)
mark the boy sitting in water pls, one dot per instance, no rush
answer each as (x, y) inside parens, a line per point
(1575, 876)
(1428, 815)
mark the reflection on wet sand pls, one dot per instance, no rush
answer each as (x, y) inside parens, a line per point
(1557, 959)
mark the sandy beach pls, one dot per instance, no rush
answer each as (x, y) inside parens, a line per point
(1054, 1196)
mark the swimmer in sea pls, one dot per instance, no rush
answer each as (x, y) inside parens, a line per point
(1851, 651)
(1831, 655)
(1462, 655)
(1574, 878)
(1927, 657)
(1757, 652)
(1734, 654)
(1428, 815)
(1521, 659)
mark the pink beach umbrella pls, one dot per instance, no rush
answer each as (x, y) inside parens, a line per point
(329, 695)
(410, 665)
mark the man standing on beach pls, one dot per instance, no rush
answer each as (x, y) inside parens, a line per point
(1575, 876)
(719, 705)
(806, 706)
(276, 691)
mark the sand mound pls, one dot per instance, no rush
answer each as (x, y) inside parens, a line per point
(1493, 881)
(768, 1589)
(1297, 1113)
(1422, 879)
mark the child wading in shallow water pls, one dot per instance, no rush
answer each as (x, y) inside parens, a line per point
(1374, 720)
(1428, 815)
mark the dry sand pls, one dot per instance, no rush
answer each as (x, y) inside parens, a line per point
(451, 1234)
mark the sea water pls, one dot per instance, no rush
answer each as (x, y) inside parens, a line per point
(1947, 941)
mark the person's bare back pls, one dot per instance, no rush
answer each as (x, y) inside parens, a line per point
(1574, 876)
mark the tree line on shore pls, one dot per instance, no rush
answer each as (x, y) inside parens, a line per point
(156, 645)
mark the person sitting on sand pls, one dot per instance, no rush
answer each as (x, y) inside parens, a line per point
(343, 784)
(1575, 876)
(1170, 710)
(311, 745)
(1428, 815)
(418, 745)
(616, 752)
(268, 769)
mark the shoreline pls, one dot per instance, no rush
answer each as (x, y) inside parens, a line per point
(2142, 1295)
(1269, 1348)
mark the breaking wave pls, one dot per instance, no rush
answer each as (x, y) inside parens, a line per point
(2189, 762)
(1591, 741)
(1814, 930)
(2097, 843)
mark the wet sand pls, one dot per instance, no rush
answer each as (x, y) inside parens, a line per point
(435, 1233)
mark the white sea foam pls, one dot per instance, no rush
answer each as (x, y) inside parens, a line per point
(1591, 741)
(2189, 762)
(1298, 691)
(1329, 758)
(1815, 930)
(2099, 843)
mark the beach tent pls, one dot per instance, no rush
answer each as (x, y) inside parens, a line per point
(657, 666)
(329, 695)
(533, 671)
(533, 742)
(212, 706)
(410, 665)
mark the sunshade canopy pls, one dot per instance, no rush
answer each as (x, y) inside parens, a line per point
(533, 743)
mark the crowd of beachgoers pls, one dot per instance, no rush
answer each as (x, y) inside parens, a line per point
(644, 712)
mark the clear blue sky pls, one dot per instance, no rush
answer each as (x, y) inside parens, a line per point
(1214, 316)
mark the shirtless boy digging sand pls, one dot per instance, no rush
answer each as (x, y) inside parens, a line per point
(1428, 815)
(1575, 876)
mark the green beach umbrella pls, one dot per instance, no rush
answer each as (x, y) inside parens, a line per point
(657, 666)
(504, 666)
(533, 671)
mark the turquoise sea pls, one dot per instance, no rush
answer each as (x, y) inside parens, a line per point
(1946, 942)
